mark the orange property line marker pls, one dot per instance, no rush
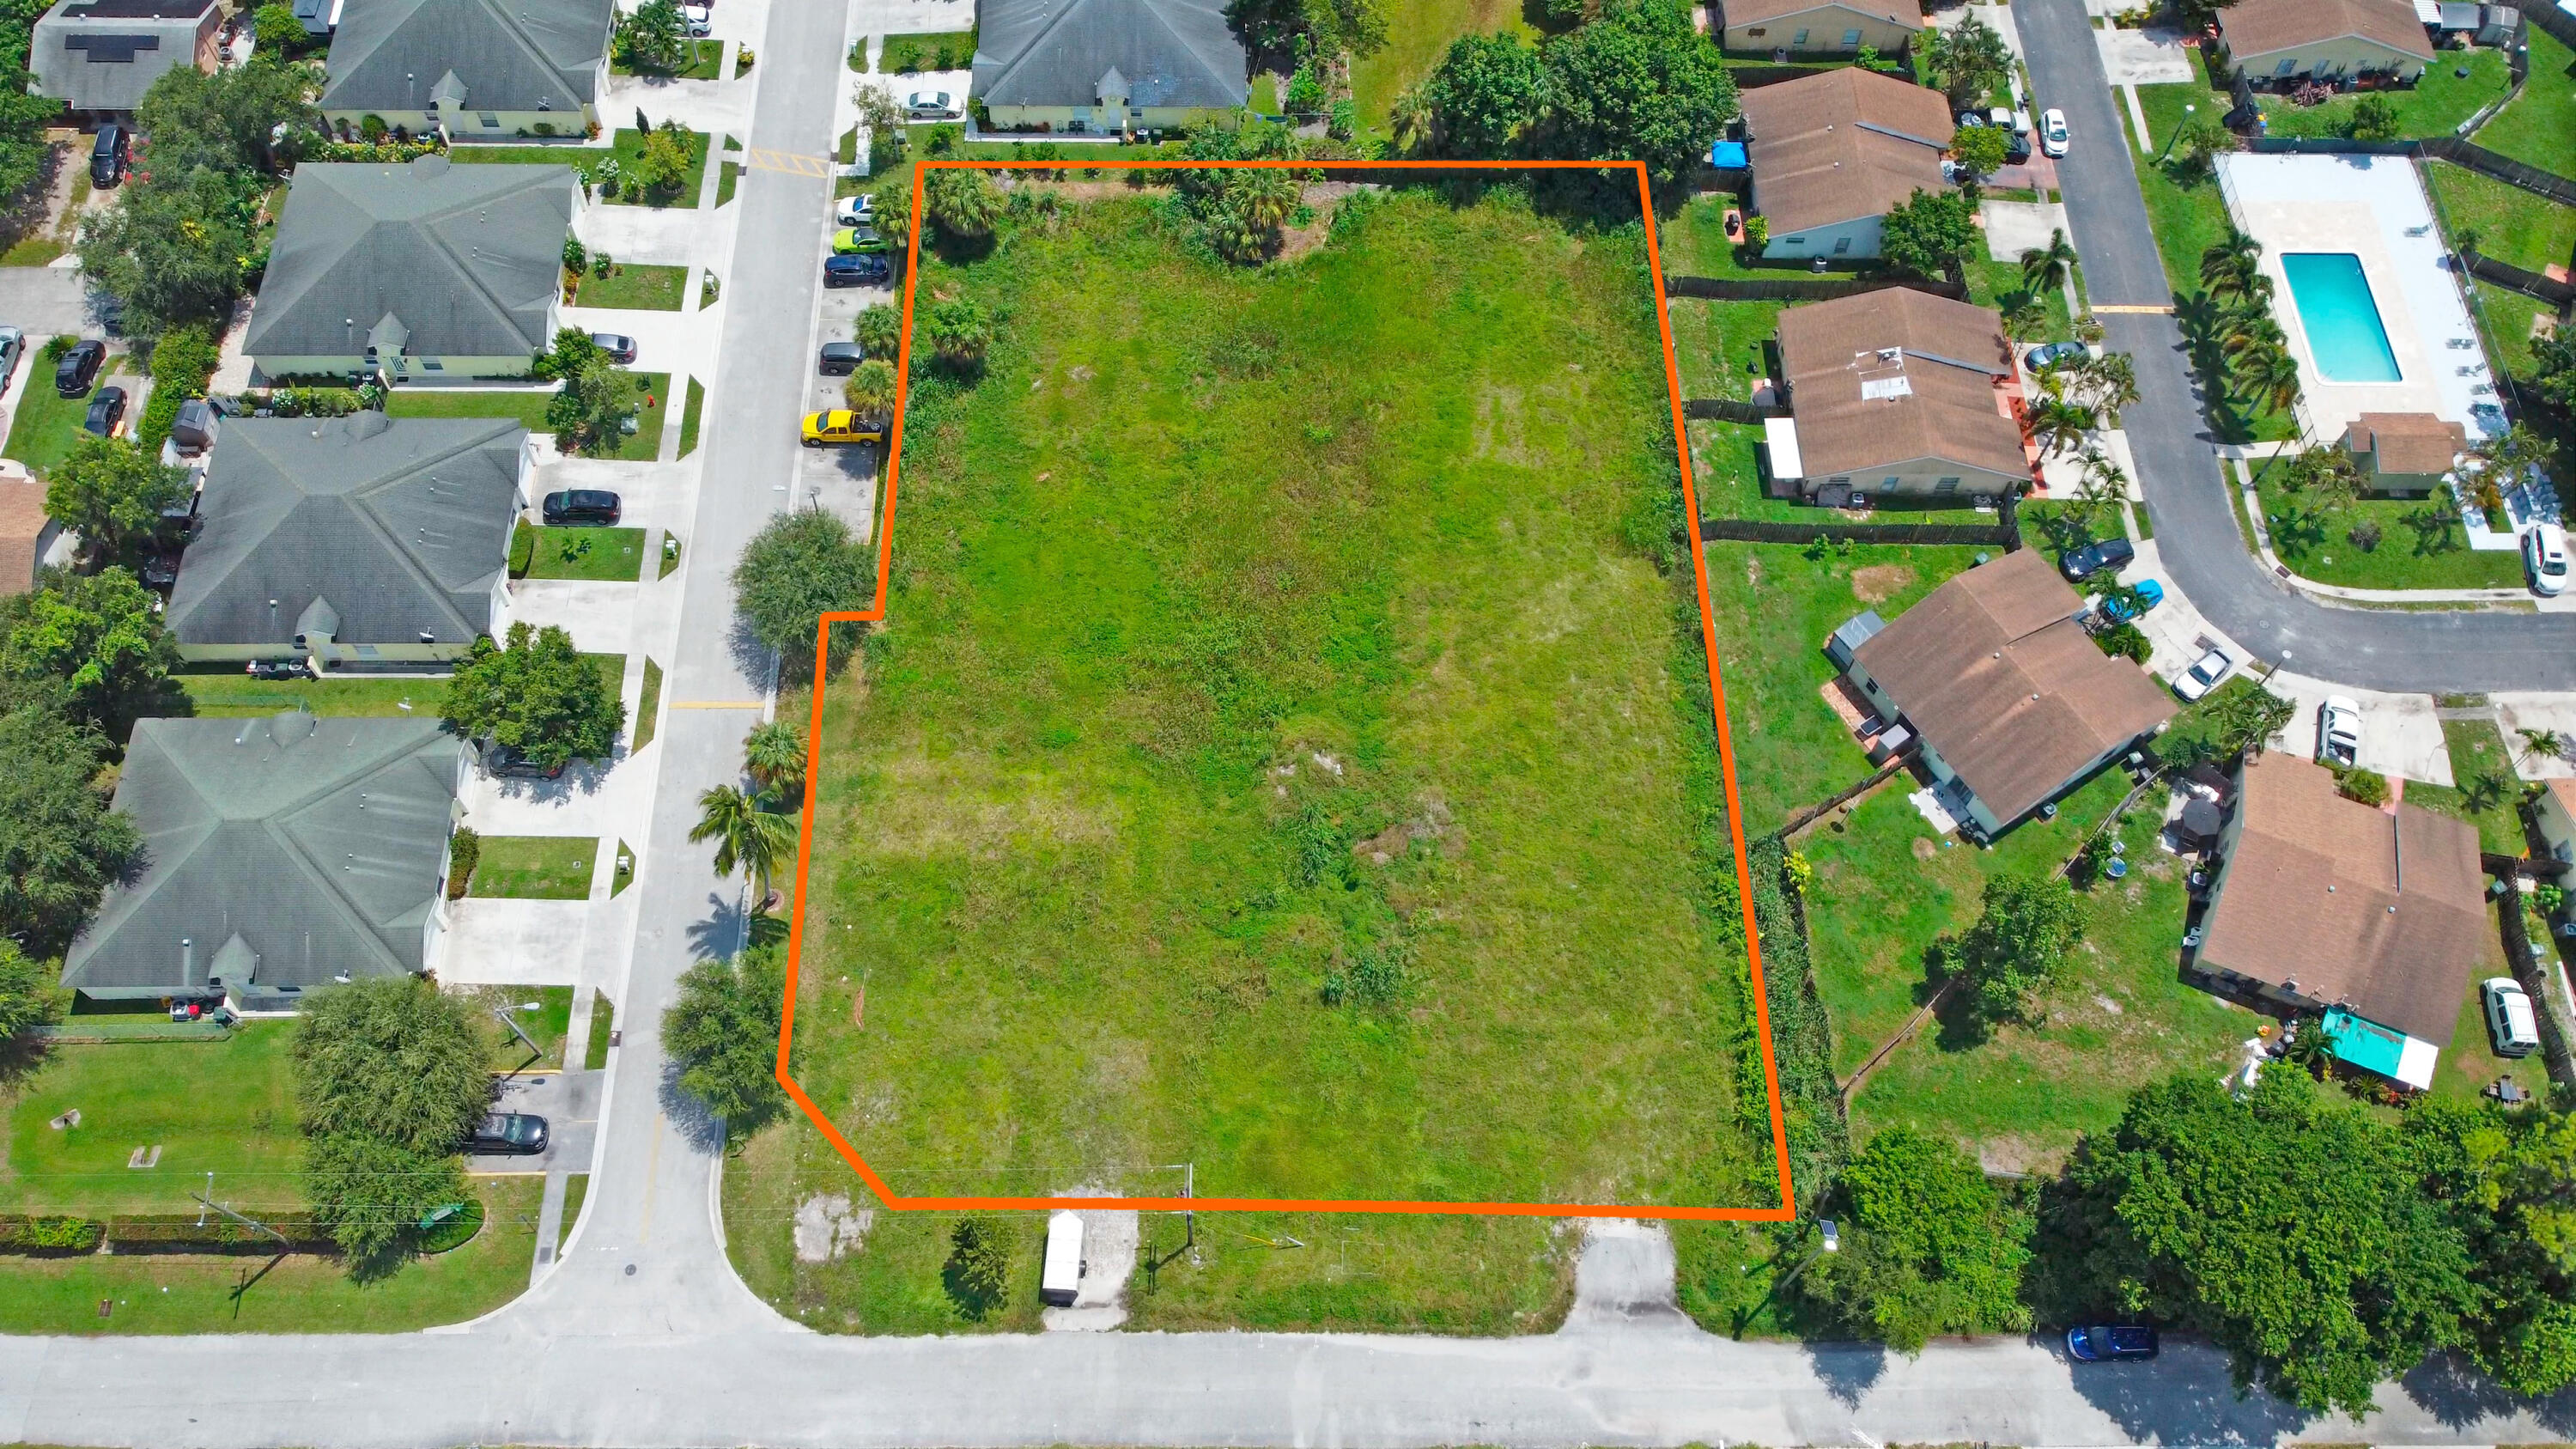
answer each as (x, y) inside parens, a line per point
(1725, 747)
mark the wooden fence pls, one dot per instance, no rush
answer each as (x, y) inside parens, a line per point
(1803, 289)
(1730, 411)
(2531, 284)
(2005, 536)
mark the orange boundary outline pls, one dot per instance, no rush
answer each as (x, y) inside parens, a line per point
(895, 1201)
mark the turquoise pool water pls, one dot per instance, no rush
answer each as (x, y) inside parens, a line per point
(2342, 321)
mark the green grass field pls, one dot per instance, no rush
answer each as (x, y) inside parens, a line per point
(689, 417)
(1323, 746)
(601, 555)
(226, 1107)
(526, 405)
(2506, 320)
(536, 868)
(2539, 127)
(627, 146)
(1417, 35)
(2484, 791)
(232, 694)
(636, 288)
(2512, 225)
(2433, 106)
(2417, 549)
(46, 425)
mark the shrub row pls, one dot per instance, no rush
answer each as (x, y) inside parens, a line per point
(54, 1237)
(1802, 1043)
(49, 1237)
(183, 362)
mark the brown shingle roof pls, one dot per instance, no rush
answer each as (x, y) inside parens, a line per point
(1830, 351)
(22, 528)
(1841, 144)
(1762, 12)
(2260, 27)
(2408, 442)
(2386, 915)
(1995, 674)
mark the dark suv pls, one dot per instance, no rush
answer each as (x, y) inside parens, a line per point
(581, 507)
(2092, 558)
(109, 155)
(79, 367)
(508, 1134)
(863, 270)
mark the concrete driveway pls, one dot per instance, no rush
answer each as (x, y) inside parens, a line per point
(569, 1101)
(2151, 57)
(513, 942)
(2401, 736)
(48, 302)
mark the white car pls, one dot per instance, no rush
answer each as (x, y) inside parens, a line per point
(931, 106)
(2510, 1023)
(2338, 731)
(2544, 557)
(2204, 674)
(699, 18)
(2052, 132)
(854, 211)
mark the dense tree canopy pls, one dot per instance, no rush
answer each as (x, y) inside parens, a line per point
(723, 1031)
(1638, 84)
(28, 996)
(1483, 92)
(1968, 60)
(23, 117)
(801, 566)
(538, 695)
(1931, 1246)
(100, 637)
(60, 845)
(2024, 928)
(113, 493)
(1929, 232)
(390, 1077)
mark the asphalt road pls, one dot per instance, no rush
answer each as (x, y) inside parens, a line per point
(2178, 471)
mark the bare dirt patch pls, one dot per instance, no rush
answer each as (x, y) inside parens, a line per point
(1879, 582)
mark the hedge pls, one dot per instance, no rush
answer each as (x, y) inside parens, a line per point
(50, 1237)
(182, 1233)
(183, 362)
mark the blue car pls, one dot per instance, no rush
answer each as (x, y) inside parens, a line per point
(863, 270)
(2116, 609)
(2097, 1345)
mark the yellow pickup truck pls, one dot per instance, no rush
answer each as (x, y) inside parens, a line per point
(840, 425)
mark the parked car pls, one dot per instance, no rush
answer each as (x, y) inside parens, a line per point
(856, 271)
(79, 367)
(839, 425)
(2338, 731)
(2095, 1345)
(13, 343)
(2510, 1023)
(279, 669)
(2049, 354)
(854, 211)
(853, 240)
(931, 106)
(2092, 558)
(700, 19)
(508, 1134)
(619, 347)
(110, 155)
(839, 359)
(511, 762)
(2118, 609)
(2204, 674)
(2544, 558)
(161, 571)
(580, 508)
(2052, 131)
(106, 410)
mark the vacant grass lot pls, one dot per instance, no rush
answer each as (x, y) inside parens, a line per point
(2512, 225)
(2539, 127)
(1283, 764)
(2433, 106)
(1417, 35)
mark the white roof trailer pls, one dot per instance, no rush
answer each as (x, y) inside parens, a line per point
(1061, 1282)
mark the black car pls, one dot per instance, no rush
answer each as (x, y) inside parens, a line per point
(580, 508)
(511, 762)
(105, 411)
(109, 155)
(161, 571)
(840, 359)
(508, 1134)
(279, 669)
(619, 347)
(79, 367)
(862, 270)
(2095, 1345)
(2092, 558)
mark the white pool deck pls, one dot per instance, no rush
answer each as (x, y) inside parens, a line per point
(2374, 208)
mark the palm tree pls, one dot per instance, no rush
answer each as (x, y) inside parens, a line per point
(959, 333)
(963, 203)
(1267, 196)
(2104, 485)
(870, 390)
(2545, 744)
(2273, 377)
(774, 755)
(2224, 264)
(2059, 424)
(2108, 383)
(748, 835)
(2043, 268)
(2025, 319)
(1410, 120)
(2249, 336)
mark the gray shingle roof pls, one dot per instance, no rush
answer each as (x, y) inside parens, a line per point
(1054, 52)
(400, 525)
(468, 259)
(104, 55)
(317, 843)
(522, 55)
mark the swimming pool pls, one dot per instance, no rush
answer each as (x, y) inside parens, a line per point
(2345, 334)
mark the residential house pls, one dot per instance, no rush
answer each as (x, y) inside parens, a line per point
(2324, 902)
(2403, 452)
(26, 534)
(1106, 66)
(477, 69)
(1832, 153)
(281, 854)
(2012, 703)
(98, 57)
(357, 532)
(424, 270)
(1895, 392)
(2555, 813)
(1816, 27)
(2272, 41)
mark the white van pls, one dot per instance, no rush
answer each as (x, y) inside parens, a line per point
(2544, 557)
(1061, 1282)
(2510, 1022)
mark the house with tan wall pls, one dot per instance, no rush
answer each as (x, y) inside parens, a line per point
(2271, 41)
(1806, 27)
(479, 69)
(1895, 393)
(1832, 153)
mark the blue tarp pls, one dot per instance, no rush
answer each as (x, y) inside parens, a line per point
(1727, 156)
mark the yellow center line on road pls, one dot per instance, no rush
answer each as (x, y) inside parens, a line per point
(2166, 309)
(792, 162)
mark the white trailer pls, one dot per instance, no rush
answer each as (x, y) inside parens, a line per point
(1061, 1282)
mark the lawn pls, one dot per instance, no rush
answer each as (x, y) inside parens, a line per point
(1417, 36)
(158, 1293)
(2539, 127)
(627, 146)
(1887, 887)
(2507, 319)
(648, 710)
(636, 288)
(1997, 282)
(527, 405)
(226, 1107)
(912, 54)
(2418, 548)
(2433, 106)
(1288, 764)
(2512, 225)
(601, 555)
(548, 1026)
(2469, 1065)
(536, 867)
(689, 410)
(1774, 606)
(2485, 793)
(47, 425)
(222, 693)
(1693, 242)
(728, 176)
